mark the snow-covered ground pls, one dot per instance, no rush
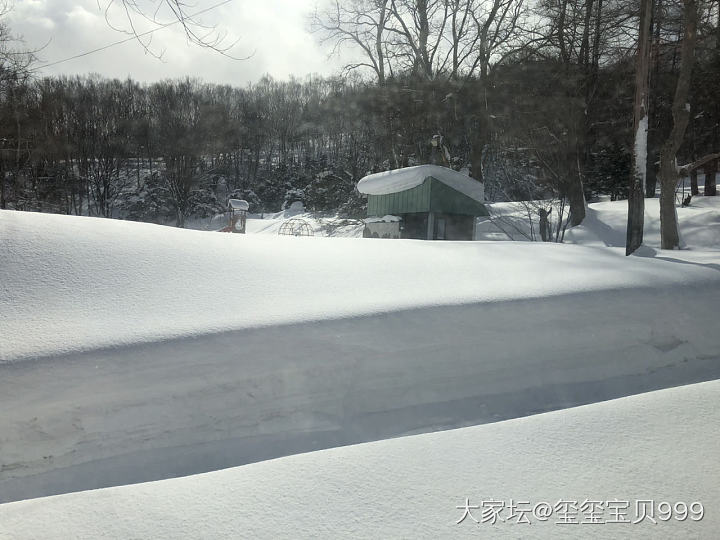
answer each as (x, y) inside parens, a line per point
(321, 223)
(652, 451)
(77, 283)
(133, 352)
(605, 223)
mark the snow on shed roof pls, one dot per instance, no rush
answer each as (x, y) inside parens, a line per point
(238, 204)
(387, 182)
(385, 219)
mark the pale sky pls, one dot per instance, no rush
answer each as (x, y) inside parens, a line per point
(277, 31)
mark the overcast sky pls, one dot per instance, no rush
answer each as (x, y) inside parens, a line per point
(276, 31)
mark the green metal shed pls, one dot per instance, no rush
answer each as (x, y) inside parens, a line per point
(433, 202)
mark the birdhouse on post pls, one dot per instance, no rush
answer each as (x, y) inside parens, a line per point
(237, 209)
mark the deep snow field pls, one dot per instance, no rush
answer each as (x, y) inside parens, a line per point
(605, 222)
(75, 284)
(132, 352)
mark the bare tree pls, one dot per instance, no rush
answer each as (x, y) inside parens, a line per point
(497, 25)
(15, 60)
(162, 13)
(462, 37)
(418, 28)
(711, 168)
(14, 57)
(429, 38)
(669, 234)
(361, 24)
(636, 194)
(183, 139)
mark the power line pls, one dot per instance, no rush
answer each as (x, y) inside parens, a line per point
(134, 37)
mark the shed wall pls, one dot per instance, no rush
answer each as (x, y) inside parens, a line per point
(444, 199)
(430, 196)
(409, 201)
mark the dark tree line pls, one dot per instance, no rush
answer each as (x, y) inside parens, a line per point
(536, 99)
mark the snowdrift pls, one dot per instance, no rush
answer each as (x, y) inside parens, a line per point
(75, 283)
(605, 223)
(657, 448)
(132, 352)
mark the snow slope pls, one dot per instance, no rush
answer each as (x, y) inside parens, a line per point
(605, 224)
(135, 352)
(77, 283)
(661, 446)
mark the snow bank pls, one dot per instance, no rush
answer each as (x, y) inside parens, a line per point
(409, 177)
(77, 283)
(605, 223)
(660, 447)
(322, 224)
(160, 410)
(172, 352)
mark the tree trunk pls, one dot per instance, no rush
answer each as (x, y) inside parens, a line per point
(636, 193)
(693, 183)
(653, 153)
(576, 198)
(585, 45)
(669, 233)
(379, 43)
(710, 178)
(712, 168)
(670, 236)
(650, 167)
(423, 26)
(480, 133)
(561, 32)
(2, 183)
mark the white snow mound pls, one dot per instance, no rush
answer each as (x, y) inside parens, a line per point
(659, 447)
(77, 283)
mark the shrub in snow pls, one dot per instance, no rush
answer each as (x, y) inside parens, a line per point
(151, 202)
(330, 190)
(293, 196)
(204, 203)
(608, 171)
